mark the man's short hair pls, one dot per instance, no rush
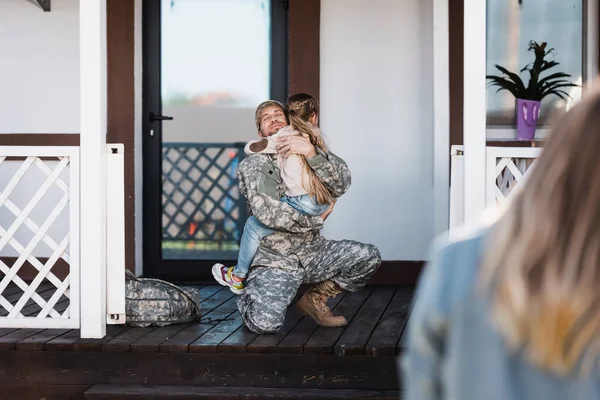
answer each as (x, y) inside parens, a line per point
(264, 105)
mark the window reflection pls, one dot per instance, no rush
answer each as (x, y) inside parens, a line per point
(510, 27)
(215, 68)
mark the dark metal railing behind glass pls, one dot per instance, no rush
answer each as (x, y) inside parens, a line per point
(202, 206)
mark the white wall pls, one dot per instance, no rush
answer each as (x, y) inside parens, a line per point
(377, 112)
(39, 68)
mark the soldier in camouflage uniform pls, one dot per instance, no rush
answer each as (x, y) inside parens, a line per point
(296, 253)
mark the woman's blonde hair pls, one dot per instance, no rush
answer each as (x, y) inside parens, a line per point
(301, 108)
(542, 261)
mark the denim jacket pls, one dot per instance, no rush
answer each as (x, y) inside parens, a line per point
(454, 352)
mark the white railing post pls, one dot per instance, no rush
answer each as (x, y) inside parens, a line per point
(92, 57)
(441, 120)
(115, 234)
(457, 188)
(474, 108)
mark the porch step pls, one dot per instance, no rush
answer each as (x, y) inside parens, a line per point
(163, 392)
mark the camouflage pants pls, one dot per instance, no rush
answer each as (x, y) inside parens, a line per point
(270, 290)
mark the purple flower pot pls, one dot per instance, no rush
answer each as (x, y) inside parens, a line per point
(528, 112)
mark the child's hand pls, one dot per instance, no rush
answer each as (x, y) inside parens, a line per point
(328, 211)
(289, 145)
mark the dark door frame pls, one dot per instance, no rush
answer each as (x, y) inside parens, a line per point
(154, 265)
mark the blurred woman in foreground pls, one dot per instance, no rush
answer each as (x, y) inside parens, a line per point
(512, 311)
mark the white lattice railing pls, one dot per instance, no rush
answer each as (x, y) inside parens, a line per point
(39, 237)
(506, 169)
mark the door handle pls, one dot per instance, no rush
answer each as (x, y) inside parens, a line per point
(154, 117)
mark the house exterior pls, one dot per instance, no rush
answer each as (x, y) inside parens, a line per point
(399, 82)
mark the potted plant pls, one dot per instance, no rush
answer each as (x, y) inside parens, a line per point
(529, 98)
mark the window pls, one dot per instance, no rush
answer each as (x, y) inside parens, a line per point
(511, 24)
(218, 63)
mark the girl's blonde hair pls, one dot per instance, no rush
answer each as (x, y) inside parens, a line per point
(301, 108)
(542, 262)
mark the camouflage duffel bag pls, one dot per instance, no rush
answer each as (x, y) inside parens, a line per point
(159, 303)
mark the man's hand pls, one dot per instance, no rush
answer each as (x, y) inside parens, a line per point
(328, 211)
(295, 144)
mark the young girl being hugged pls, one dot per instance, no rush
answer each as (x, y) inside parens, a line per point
(303, 189)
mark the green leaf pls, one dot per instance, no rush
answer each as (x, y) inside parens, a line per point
(560, 93)
(559, 84)
(548, 65)
(515, 78)
(503, 84)
(553, 76)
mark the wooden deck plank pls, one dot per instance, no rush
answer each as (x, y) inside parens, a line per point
(181, 341)
(106, 392)
(386, 336)
(267, 344)
(206, 292)
(63, 342)
(8, 342)
(61, 306)
(12, 299)
(216, 300)
(30, 306)
(238, 341)
(323, 339)
(123, 341)
(400, 345)
(36, 342)
(294, 342)
(209, 342)
(6, 331)
(151, 342)
(112, 331)
(210, 369)
(359, 330)
(223, 323)
(22, 391)
(10, 290)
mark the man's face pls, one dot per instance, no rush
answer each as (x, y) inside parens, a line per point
(272, 119)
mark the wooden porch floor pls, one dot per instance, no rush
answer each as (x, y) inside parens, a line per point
(212, 351)
(377, 317)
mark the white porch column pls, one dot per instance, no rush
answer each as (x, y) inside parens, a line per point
(92, 59)
(441, 112)
(474, 110)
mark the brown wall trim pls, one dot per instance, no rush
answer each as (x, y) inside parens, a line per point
(456, 48)
(397, 273)
(39, 139)
(304, 23)
(121, 107)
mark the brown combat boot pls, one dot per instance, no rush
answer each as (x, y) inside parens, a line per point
(314, 304)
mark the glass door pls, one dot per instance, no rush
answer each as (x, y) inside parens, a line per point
(207, 65)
